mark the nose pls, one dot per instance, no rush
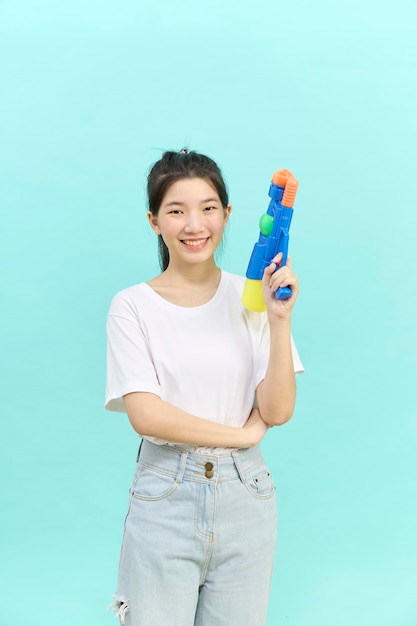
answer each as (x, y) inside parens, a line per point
(194, 223)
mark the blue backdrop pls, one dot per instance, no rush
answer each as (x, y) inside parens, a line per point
(92, 92)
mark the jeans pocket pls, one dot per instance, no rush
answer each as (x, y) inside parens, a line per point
(260, 483)
(152, 484)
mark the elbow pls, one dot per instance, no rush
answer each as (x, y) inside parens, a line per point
(276, 406)
(137, 422)
(277, 418)
(139, 425)
(276, 414)
(141, 412)
(142, 423)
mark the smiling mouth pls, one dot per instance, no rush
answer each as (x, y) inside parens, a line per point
(194, 243)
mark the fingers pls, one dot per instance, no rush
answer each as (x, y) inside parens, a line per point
(281, 277)
(269, 270)
(276, 261)
(278, 258)
(275, 277)
(284, 277)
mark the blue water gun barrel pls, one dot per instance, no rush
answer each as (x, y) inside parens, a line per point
(274, 228)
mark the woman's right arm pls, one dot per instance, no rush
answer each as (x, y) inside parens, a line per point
(152, 417)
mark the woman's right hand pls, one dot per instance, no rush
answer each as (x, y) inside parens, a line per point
(255, 428)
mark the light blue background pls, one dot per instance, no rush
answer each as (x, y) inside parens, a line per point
(92, 92)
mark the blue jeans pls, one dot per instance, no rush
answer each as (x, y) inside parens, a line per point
(199, 539)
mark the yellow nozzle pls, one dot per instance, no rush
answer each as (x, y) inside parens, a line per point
(253, 297)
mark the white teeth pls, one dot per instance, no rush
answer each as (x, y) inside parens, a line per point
(194, 242)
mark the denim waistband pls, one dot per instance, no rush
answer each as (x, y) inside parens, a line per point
(206, 468)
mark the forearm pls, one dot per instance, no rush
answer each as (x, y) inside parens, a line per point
(152, 417)
(276, 393)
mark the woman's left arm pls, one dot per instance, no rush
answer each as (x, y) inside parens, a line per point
(276, 392)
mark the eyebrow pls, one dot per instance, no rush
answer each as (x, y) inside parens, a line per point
(175, 202)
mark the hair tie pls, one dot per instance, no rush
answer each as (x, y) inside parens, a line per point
(183, 151)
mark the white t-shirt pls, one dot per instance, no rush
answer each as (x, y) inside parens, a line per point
(206, 360)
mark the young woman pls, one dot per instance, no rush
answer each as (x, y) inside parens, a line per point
(201, 379)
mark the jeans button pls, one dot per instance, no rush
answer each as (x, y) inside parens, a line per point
(209, 474)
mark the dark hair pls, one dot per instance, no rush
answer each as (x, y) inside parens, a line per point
(174, 166)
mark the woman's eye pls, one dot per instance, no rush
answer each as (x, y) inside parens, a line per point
(210, 208)
(175, 212)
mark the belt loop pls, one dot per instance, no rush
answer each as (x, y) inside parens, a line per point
(138, 455)
(235, 455)
(183, 462)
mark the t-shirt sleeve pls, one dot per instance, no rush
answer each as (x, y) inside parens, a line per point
(129, 361)
(261, 361)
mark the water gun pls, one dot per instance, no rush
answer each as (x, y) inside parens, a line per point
(273, 238)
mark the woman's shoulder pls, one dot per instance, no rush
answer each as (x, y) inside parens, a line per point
(233, 279)
(126, 300)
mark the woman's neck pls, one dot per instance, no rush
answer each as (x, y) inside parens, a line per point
(193, 287)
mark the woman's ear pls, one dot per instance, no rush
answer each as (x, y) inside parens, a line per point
(227, 212)
(153, 221)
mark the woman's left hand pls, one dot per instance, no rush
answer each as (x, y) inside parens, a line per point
(274, 278)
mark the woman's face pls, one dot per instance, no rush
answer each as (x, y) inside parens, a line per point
(191, 220)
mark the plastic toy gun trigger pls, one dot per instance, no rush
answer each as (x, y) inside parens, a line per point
(273, 238)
